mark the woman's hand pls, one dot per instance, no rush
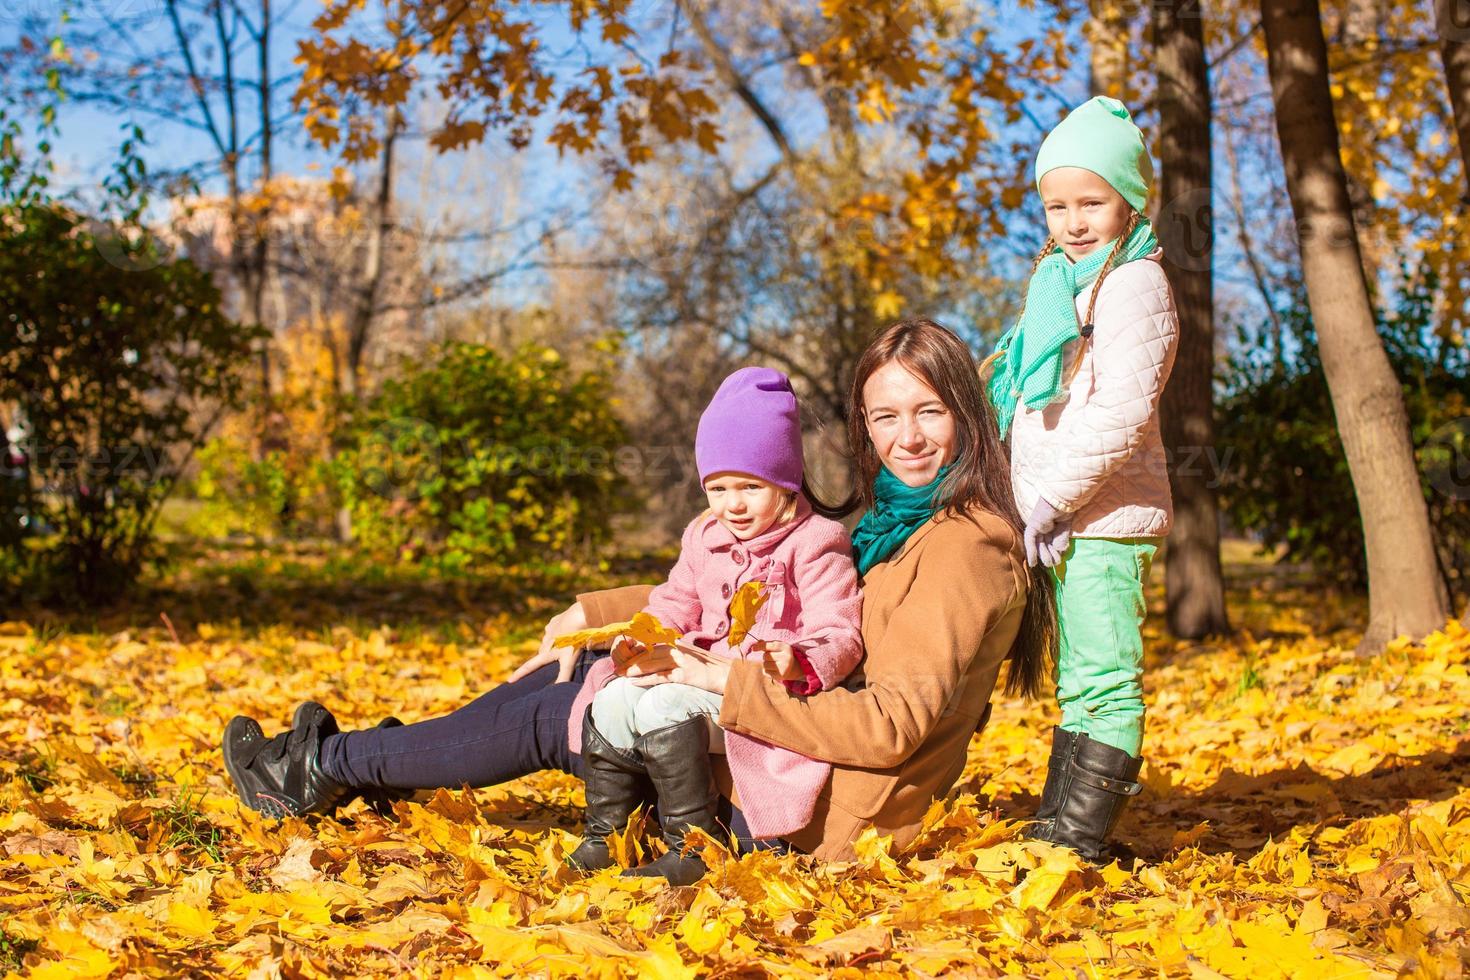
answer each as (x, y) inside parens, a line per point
(779, 660)
(706, 674)
(573, 618)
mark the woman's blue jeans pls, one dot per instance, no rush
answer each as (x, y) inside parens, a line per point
(509, 732)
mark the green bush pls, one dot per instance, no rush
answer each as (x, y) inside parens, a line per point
(117, 359)
(239, 493)
(1287, 479)
(474, 457)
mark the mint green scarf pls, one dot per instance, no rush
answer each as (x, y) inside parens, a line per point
(898, 510)
(1030, 369)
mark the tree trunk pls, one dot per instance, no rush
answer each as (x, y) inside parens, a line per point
(260, 260)
(1405, 594)
(1194, 583)
(365, 311)
(1107, 34)
(359, 328)
(1452, 18)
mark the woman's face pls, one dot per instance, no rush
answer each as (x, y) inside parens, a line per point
(910, 427)
(1083, 212)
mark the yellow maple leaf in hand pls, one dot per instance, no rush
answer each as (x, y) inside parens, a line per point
(646, 629)
(643, 627)
(744, 605)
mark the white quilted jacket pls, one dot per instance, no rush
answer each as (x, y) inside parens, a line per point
(1096, 452)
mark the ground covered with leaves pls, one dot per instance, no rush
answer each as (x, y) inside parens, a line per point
(1307, 812)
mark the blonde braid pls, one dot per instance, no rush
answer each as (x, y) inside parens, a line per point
(1133, 220)
(1046, 247)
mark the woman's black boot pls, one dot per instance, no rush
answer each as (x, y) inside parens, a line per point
(617, 784)
(678, 762)
(282, 776)
(1096, 784)
(1062, 744)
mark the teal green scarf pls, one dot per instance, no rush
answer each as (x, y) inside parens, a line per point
(898, 510)
(1030, 369)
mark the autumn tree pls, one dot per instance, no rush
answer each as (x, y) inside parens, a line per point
(855, 162)
(216, 46)
(324, 275)
(1452, 19)
(1405, 592)
(212, 67)
(1194, 581)
(1108, 31)
(1396, 128)
(936, 78)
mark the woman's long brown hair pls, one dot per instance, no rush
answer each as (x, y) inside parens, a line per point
(981, 477)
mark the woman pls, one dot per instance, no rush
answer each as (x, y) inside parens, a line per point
(948, 598)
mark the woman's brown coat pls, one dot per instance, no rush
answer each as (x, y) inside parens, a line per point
(939, 619)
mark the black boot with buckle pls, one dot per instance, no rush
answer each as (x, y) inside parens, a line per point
(677, 757)
(1051, 794)
(617, 784)
(1095, 783)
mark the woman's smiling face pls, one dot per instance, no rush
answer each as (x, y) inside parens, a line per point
(911, 429)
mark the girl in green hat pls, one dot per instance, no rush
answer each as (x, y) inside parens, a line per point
(1076, 385)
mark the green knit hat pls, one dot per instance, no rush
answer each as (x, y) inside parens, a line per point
(1099, 135)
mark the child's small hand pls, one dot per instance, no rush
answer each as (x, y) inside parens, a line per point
(779, 660)
(625, 650)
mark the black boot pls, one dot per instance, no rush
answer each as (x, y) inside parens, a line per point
(617, 784)
(1096, 784)
(677, 758)
(282, 776)
(1062, 744)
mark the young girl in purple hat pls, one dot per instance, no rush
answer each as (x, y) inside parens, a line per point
(643, 744)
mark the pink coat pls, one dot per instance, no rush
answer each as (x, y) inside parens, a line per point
(813, 602)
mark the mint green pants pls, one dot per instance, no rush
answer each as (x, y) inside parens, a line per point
(1100, 608)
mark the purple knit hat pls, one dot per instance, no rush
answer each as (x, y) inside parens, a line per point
(751, 426)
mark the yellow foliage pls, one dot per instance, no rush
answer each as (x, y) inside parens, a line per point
(1312, 822)
(887, 305)
(918, 70)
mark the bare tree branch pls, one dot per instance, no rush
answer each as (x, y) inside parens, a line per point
(1234, 46)
(738, 83)
(196, 85)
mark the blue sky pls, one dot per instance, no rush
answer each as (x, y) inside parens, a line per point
(90, 134)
